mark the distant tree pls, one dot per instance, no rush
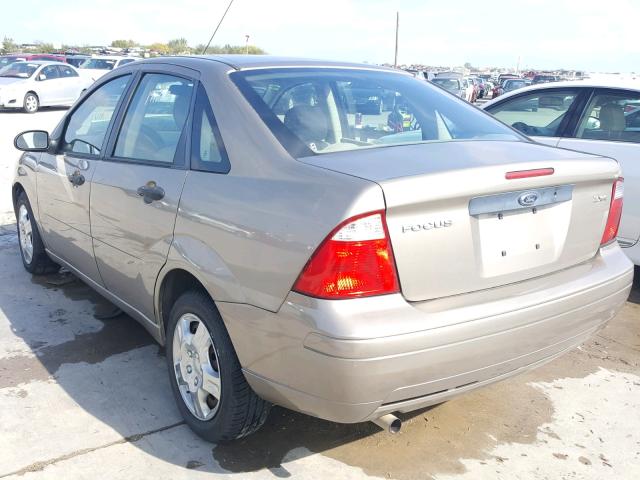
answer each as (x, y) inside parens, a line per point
(468, 66)
(8, 45)
(217, 49)
(160, 48)
(124, 44)
(178, 46)
(40, 47)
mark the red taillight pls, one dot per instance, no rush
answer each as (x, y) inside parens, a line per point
(615, 212)
(355, 260)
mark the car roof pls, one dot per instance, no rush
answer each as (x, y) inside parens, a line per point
(111, 57)
(588, 83)
(46, 62)
(249, 62)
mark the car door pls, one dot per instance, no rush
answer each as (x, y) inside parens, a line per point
(64, 176)
(543, 115)
(136, 190)
(50, 86)
(70, 84)
(610, 126)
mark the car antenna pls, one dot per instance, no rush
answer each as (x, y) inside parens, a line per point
(216, 30)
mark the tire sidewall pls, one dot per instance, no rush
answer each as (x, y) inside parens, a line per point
(198, 304)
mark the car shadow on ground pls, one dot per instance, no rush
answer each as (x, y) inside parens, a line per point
(42, 109)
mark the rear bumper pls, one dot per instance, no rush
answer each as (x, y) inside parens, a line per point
(355, 360)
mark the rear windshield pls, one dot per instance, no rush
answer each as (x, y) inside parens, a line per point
(315, 111)
(447, 83)
(98, 64)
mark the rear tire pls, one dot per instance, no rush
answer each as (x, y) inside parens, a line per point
(34, 257)
(31, 103)
(236, 411)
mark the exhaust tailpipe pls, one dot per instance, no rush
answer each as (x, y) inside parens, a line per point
(389, 422)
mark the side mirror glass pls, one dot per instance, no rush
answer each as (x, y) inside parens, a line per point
(32, 141)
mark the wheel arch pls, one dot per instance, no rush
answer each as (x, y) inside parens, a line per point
(16, 190)
(172, 282)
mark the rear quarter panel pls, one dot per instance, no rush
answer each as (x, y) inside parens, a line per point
(247, 234)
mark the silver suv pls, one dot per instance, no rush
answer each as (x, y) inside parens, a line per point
(290, 245)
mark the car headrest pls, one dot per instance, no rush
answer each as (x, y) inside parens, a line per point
(612, 117)
(179, 90)
(307, 122)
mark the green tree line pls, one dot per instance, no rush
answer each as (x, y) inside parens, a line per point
(177, 46)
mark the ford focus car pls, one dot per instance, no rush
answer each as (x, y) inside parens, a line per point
(288, 249)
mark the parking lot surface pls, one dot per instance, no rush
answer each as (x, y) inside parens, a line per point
(84, 393)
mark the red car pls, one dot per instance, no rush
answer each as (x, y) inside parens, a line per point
(29, 57)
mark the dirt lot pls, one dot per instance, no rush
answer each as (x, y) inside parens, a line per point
(84, 394)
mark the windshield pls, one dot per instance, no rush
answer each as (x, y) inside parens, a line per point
(315, 111)
(98, 64)
(447, 83)
(19, 70)
(8, 60)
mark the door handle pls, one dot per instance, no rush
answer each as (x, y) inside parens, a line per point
(151, 192)
(76, 178)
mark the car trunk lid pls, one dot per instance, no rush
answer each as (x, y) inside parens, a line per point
(457, 224)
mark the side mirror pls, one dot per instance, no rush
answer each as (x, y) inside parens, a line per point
(32, 141)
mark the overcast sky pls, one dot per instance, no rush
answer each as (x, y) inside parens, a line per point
(595, 35)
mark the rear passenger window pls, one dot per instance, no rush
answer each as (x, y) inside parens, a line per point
(207, 150)
(155, 119)
(612, 116)
(66, 72)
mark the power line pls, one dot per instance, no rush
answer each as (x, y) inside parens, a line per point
(216, 30)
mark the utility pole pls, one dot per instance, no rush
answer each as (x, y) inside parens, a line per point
(395, 58)
(246, 45)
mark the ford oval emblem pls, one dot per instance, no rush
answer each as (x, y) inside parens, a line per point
(527, 199)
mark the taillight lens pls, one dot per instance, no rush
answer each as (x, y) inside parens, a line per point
(615, 212)
(355, 260)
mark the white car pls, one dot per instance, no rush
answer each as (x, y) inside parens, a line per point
(590, 116)
(31, 85)
(95, 67)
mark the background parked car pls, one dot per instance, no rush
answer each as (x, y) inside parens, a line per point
(508, 85)
(455, 85)
(479, 81)
(31, 85)
(543, 79)
(76, 60)
(97, 66)
(600, 118)
(29, 57)
(471, 92)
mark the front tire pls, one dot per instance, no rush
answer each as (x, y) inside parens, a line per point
(31, 103)
(206, 377)
(34, 257)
